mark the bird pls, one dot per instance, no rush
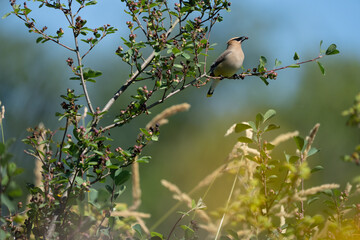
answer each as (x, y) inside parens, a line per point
(228, 63)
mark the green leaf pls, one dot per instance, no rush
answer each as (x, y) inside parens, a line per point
(103, 196)
(311, 200)
(241, 127)
(271, 127)
(322, 69)
(299, 142)
(277, 63)
(122, 178)
(332, 50)
(120, 191)
(6, 15)
(90, 73)
(79, 180)
(251, 158)
(264, 80)
(312, 151)
(5, 179)
(328, 192)
(186, 228)
(263, 61)
(269, 114)
(178, 66)
(156, 235)
(144, 159)
(145, 132)
(269, 146)
(296, 56)
(98, 152)
(11, 168)
(91, 3)
(185, 55)
(321, 42)
(6, 201)
(175, 50)
(39, 39)
(93, 194)
(245, 140)
(109, 189)
(259, 119)
(291, 159)
(154, 138)
(16, 8)
(294, 66)
(200, 204)
(26, 11)
(138, 229)
(317, 168)
(253, 125)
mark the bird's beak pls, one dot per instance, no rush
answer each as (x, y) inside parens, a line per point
(244, 38)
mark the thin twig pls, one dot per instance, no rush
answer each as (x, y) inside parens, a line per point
(63, 139)
(182, 216)
(93, 45)
(303, 157)
(280, 68)
(227, 203)
(152, 105)
(36, 30)
(83, 82)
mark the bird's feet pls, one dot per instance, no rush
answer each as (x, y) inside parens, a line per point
(235, 76)
(238, 76)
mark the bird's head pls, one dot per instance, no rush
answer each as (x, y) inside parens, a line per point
(237, 40)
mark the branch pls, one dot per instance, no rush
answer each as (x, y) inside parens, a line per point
(242, 75)
(83, 82)
(136, 74)
(32, 27)
(239, 76)
(154, 104)
(93, 45)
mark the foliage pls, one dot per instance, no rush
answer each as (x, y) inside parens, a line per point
(353, 114)
(83, 171)
(271, 200)
(268, 198)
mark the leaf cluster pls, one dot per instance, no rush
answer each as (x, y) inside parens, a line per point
(270, 201)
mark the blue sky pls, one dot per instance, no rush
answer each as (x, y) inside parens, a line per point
(276, 29)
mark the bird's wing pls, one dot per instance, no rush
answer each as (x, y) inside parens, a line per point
(219, 60)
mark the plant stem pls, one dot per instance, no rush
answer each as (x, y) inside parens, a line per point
(228, 202)
(83, 82)
(2, 133)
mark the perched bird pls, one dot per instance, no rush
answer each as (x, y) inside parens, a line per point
(228, 63)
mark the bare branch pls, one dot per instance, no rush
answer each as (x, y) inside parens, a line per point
(83, 82)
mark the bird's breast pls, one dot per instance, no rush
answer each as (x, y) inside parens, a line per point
(231, 64)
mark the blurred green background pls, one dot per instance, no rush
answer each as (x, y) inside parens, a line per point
(192, 145)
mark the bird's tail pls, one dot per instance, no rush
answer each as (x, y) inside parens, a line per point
(214, 83)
